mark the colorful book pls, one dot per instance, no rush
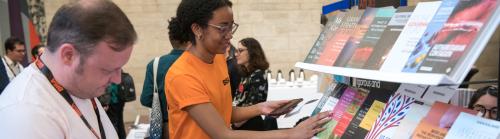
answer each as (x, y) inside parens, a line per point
(439, 119)
(372, 36)
(329, 98)
(352, 43)
(348, 115)
(334, 44)
(330, 28)
(453, 42)
(339, 109)
(424, 45)
(417, 112)
(387, 122)
(390, 35)
(469, 126)
(412, 32)
(373, 105)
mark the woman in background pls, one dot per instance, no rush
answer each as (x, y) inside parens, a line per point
(253, 86)
(485, 101)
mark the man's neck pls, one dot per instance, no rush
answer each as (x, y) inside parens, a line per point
(59, 74)
(50, 62)
(9, 60)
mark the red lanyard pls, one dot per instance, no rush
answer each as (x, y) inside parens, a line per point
(63, 92)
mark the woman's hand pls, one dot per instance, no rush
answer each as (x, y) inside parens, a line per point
(308, 128)
(269, 106)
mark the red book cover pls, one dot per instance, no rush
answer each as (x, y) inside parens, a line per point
(334, 45)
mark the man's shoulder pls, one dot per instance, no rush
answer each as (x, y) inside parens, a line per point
(27, 87)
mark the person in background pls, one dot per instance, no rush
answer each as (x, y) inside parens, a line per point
(114, 101)
(4, 79)
(253, 86)
(197, 84)
(232, 68)
(88, 42)
(15, 52)
(37, 51)
(485, 100)
(179, 46)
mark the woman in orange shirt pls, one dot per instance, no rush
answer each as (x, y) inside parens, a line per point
(197, 84)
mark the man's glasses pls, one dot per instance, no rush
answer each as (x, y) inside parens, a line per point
(226, 28)
(482, 109)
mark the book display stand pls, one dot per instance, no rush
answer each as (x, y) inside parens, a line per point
(406, 63)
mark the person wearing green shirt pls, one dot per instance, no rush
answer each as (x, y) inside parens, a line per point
(164, 64)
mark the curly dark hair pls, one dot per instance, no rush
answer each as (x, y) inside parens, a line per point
(175, 33)
(196, 12)
(256, 56)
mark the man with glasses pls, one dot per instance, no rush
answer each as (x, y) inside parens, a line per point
(12, 60)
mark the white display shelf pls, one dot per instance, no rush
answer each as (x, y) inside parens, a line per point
(412, 78)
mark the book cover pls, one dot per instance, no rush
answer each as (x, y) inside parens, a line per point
(396, 109)
(390, 35)
(469, 126)
(378, 3)
(417, 112)
(384, 3)
(330, 28)
(334, 45)
(413, 90)
(348, 115)
(439, 93)
(412, 32)
(438, 121)
(372, 36)
(329, 98)
(362, 122)
(455, 38)
(339, 109)
(352, 43)
(425, 43)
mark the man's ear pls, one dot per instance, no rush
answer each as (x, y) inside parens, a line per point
(68, 53)
(9, 51)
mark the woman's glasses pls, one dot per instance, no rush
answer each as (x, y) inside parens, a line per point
(483, 110)
(224, 29)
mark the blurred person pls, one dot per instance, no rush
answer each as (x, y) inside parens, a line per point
(164, 63)
(232, 68)
(485, 100)
(253, 86)
(55, 97)
(114, 101)
(11, 61)
(37, 51)
(197, 84)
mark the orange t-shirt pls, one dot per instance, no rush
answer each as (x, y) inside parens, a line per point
(191, 81)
